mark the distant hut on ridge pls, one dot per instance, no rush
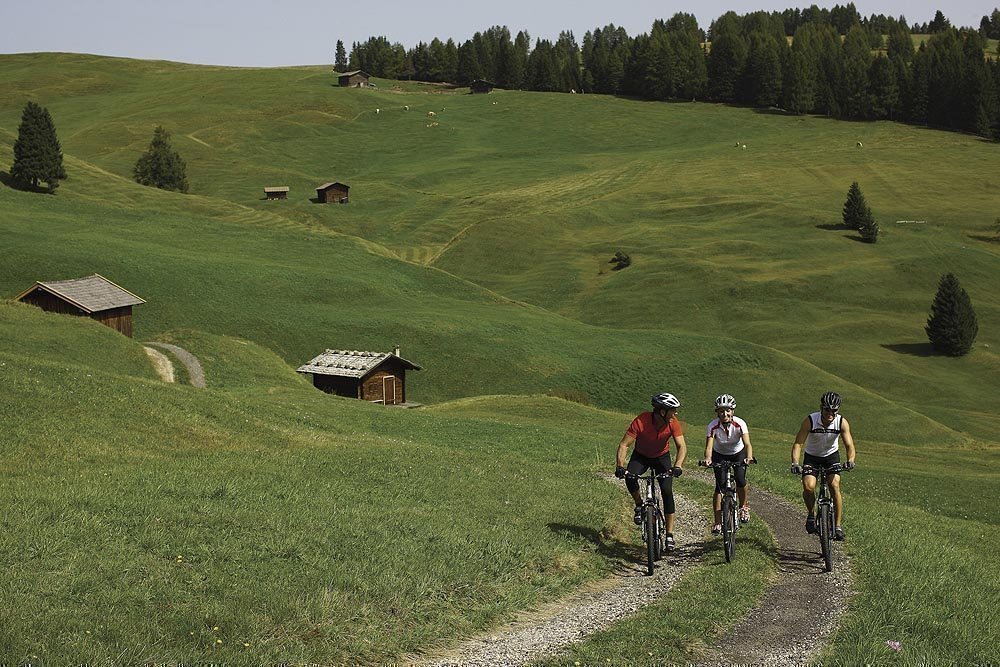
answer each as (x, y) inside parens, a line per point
(481, 86)
(276, 192)
(355, 79)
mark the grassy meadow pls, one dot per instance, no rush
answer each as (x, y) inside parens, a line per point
(139, 517)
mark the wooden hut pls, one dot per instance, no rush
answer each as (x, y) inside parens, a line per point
(332, 193)
(481, 86)
(93, 296)
(277, 192)
(356, 79)
(378, 377)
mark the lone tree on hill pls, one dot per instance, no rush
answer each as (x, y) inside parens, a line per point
(37, 153)
(161, 166)
(855, 207)
(868, 227)
(952, 326)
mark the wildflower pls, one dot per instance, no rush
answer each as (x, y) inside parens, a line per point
(894, 645)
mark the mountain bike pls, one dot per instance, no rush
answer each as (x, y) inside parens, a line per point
(654, 530)
(824, 509)
(730, 505)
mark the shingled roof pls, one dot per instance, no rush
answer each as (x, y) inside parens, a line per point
(90, 294)
(350, 363)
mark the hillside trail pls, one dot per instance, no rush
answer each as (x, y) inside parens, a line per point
(196, 373)
(789, 625)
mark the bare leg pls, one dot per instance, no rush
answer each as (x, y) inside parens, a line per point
(838, 502)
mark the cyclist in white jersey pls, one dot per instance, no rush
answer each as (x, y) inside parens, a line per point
(728, 439)
(821, 434)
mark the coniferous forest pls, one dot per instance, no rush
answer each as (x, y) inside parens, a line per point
(831, 62)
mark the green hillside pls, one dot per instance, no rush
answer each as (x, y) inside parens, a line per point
(478, 240)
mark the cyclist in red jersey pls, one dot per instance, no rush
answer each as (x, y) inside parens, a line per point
(650, 432)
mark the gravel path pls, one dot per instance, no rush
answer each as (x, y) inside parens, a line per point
(802, 608)
(787, 628)
(161, 364)
(190, 361)
(554, 626)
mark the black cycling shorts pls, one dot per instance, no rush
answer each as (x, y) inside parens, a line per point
(739, 471)
(821, 461)
(638, 464)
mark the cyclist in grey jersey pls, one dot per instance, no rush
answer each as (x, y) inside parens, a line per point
(821, 434)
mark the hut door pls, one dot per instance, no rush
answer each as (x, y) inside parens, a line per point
(389, 390)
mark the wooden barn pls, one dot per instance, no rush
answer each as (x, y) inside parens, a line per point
(277, 192)
(332, 193)
(378, 377)
(356, 79)
(481, 86)
(95, 297)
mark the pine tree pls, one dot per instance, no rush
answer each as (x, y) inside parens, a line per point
(340, 60)
(868, 227)
(855, 207)
(161, 166)
(37, 153)
(952, 326)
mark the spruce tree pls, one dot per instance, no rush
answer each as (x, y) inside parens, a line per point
(868, 227)
(161, 166)
(855, 207)
(37, 153)
(952, 326)
(340, 59)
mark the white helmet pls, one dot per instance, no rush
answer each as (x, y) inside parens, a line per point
(725, 401)
(665, 400)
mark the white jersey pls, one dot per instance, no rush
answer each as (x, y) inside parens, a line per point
(728, 437)
(823, 440)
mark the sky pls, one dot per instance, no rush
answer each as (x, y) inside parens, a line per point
(273, 33)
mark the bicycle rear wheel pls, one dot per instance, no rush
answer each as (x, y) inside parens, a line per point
(825, 525)
(729, 526)
(652, 538)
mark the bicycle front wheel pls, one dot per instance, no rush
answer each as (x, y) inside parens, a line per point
(652, 538)
(728, 527)
(825, 525)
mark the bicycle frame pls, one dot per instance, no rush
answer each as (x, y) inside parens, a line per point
(654, 532)
(730, 505)
(824, 509)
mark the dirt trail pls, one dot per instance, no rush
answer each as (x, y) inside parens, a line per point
(194, 369)
(793, 619)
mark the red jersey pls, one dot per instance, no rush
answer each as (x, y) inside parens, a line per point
(649, 441)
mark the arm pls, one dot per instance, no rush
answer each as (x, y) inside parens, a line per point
(681, 450)
(746, 443)
(627, 441)
(800, 439)
(847, 438)
(709, 445)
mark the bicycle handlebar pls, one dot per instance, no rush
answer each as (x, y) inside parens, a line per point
(657, 475)
(812, 470)
(725, 464)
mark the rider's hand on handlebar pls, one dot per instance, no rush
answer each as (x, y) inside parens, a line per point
(620, 472)
(676, 472)
(796, 469)
(849, 465)
(704, 463)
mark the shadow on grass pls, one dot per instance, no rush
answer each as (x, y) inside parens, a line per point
(830, 227)
(607, 547)
(984, 237)
(9, 181)
(912, 349)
